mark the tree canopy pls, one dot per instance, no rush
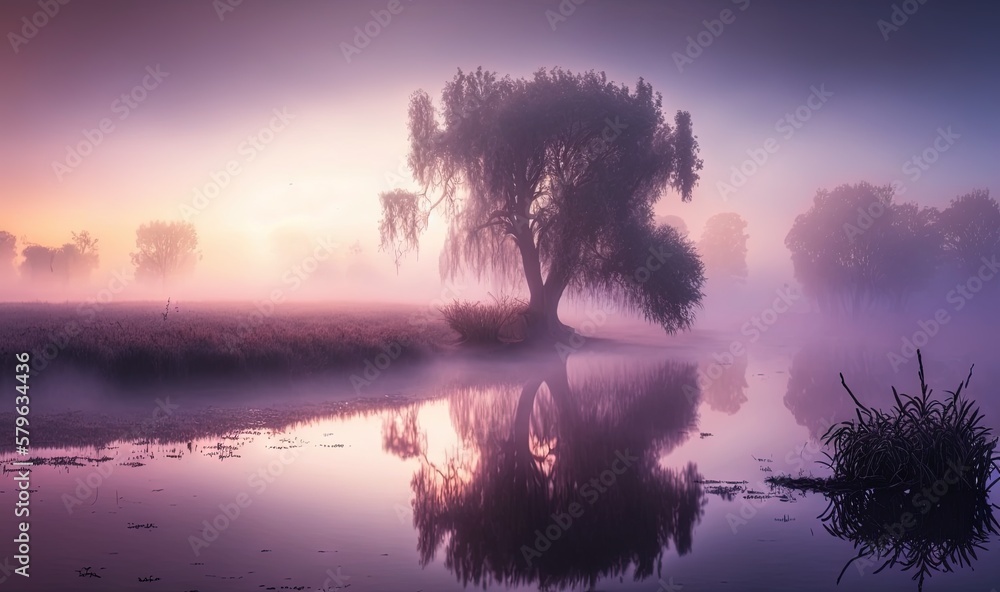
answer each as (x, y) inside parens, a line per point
(73, 262)
(856, 249)
(8, 251)
(164, 250)
(970, 229)
(551, 182)
(723, 247)
(675, 222)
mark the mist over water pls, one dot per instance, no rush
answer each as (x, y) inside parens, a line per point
(521, 295)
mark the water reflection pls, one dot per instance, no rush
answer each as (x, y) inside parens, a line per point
(559, 481)
(815, 395)
(930, 514)
(894, 527)
(727, 393)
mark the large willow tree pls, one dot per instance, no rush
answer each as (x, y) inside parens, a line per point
(551, 182)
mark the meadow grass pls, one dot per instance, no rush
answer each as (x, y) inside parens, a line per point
(146, 343)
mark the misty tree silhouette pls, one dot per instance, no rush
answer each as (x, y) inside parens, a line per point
(533, 450)
(8, 252)
(164, 250)
(727, 393)
(550, 183)
(723, 247)
(71, 263)
(814, 394)
(970, 227)
(855, 249)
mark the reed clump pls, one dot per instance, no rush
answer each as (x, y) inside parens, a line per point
(913, 444)
(480, 323)
(910, 486)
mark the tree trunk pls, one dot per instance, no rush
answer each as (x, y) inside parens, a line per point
(542, 319)
(535, 316)
(527, 478)
(555, 286)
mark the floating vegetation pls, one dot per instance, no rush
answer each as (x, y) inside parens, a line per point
(726, 492)
(910, 486)
(85, 572)
(62, 461)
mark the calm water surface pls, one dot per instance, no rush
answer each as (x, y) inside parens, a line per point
(621, 470)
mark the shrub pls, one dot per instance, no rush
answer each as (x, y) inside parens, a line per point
(485, 323)
(910, 487)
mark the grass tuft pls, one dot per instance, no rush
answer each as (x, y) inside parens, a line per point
(480, 323)
(910, 486)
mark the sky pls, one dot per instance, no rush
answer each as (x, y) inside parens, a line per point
(118, 113)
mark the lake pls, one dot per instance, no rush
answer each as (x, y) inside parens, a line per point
(618, 468)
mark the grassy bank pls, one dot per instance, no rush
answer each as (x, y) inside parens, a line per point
(153, 343)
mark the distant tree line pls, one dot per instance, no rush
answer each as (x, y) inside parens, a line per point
(164, 251)
(856, 249)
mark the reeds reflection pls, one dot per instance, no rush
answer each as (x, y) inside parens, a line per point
(889, 528)
(588, 438)
(910, 485)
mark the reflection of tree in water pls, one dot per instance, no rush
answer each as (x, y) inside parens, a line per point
(727, 393)
(401, 435)
(815, 396)
(535, 451)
